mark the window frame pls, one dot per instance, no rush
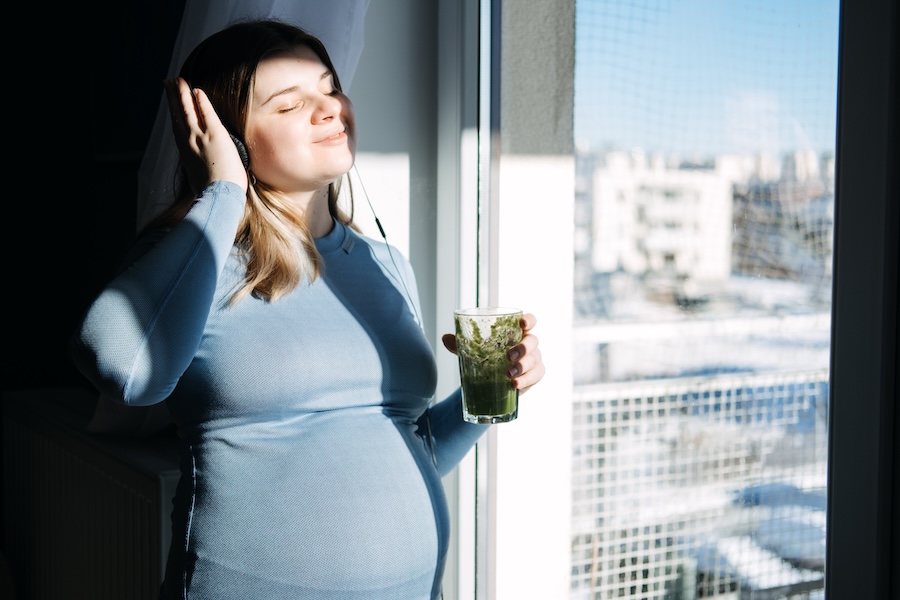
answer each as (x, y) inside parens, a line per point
(863, 510)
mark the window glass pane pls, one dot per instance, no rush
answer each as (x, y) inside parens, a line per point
(703, 218)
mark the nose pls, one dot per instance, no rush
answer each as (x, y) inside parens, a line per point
(328, 107)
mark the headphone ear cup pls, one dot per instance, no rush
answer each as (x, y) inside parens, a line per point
(242, 150)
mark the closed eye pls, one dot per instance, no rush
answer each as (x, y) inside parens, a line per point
(293, 107)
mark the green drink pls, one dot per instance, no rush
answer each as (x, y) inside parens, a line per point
(483, 337)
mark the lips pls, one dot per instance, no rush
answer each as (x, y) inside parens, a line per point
(333, 136)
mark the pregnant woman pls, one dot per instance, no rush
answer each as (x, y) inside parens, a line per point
(285, 344)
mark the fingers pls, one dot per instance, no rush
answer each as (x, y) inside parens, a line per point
(204, 144)
(206, 114)
(527, 363)
(183, 113)
(181, 104)
(190, 110)
(531, 375)
(449, 341)
(528, 322)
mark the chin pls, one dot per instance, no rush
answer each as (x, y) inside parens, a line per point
(344, 166)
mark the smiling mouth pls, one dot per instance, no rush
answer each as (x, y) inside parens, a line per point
(340, 135)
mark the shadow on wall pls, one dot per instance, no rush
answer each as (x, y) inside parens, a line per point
(71, 246)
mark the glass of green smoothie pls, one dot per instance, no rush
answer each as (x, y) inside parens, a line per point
(483, 337)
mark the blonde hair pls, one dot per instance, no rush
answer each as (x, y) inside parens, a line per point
(279, 249)
(275, 243)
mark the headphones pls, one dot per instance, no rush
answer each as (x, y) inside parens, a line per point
(390, 252)
(242, 150)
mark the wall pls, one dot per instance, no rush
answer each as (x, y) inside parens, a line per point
(86, 111)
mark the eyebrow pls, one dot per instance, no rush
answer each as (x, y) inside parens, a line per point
(325, 75)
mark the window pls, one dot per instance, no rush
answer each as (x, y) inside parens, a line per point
(521, 483)
(770, 401)
(720, 291)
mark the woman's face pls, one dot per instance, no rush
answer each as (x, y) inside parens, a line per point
(300, 130)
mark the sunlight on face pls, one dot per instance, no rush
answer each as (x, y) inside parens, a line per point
(300, 128)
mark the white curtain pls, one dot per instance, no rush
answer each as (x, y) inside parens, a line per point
(338, 23)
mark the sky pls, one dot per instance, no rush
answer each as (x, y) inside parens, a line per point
(706, 77)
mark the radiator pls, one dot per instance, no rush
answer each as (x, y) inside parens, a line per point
(84, 516)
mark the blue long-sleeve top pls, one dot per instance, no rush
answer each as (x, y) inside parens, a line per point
(307, 468)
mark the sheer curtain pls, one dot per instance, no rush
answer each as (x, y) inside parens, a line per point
(338, 23)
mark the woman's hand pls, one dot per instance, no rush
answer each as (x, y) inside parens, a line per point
(207, 151)
(527, 364)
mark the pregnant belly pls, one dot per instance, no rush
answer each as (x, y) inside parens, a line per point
(348, 503)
